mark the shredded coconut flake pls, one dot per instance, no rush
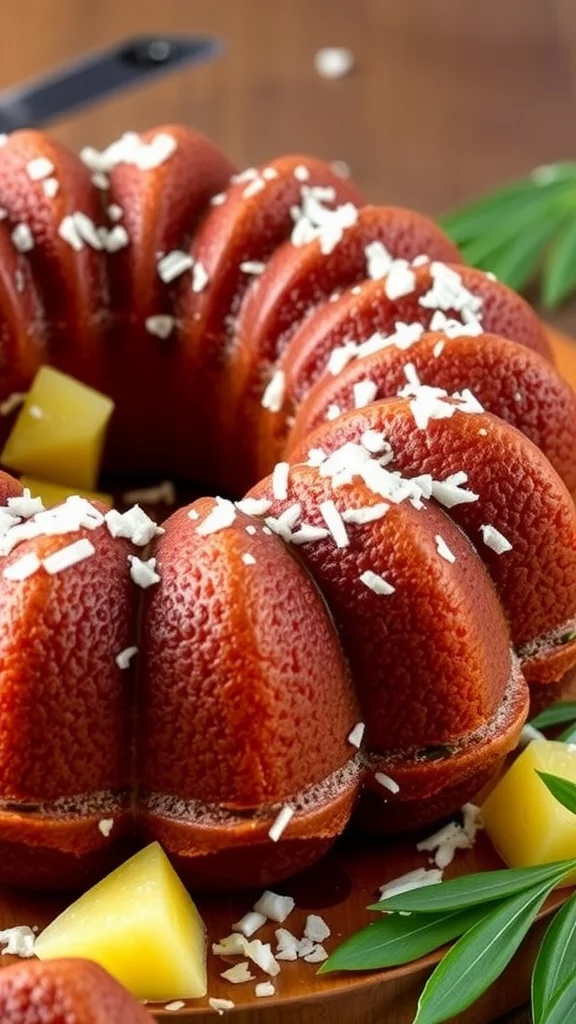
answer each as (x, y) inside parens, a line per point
(130, 148)
(495, 540)
(23, 238)
(248, 559)
(125, 657)
(173, 264)
(105, 826)
(134, 524)
(287, 945)
(221, 1005)
(444, 843)
(377, 583)
(316, 928)
(356, 735)
(199, 277)
(280, 824)
(175, 1005)
(221, 516)
(161, 325)
(384, 780)
(364, 392)
(238, 974)
(449, 492)
(12, 402)
(252, 267)
(335, 523)
(117, 238)
(280, 477)
(22, 568)
(261, 954)
(115, 212)
(66, 557)
(254, 506)
(40, 167)
(232, 945)
(378, 260)
(25, 505)
(333, 412)
(443, 549)
(400, 281)
(317, 955)
(275, 907)
(273, 396)
(250, 923)
(264, 989)
(18, 941)
(438, 348)
(143, 573)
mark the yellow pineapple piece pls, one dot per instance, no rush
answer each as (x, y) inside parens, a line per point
(526, 824)
(141, 925)
(60, 430)
(55, 494)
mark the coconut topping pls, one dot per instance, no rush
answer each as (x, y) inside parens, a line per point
(261, 954)
(340, 357)
(411, 880)
(23, 238)
(252, 267)
(308, 534)
(232, 945)
(22, 568)
(374, 442)
(335, 523)
(25, 506)
(40, 167)
(117, 238)
(74, 514)
(19, 941)
(199, 277)
(248, 559)
(315, 221)
(316, 456)
(193, 514)
(443, 549)
(173, 264)
(66, 557)
(218, 199)
(175, 1005)
(367, 514)
(377, 584)
(238, 974)
(161, 325)
(264, 989)
(495, 540)
(100, 180)
(454, 328)
(280, 476)
(356, 735)
(143, 573)
(130, 148)
(444, 843)
(69, 233)
(364, 391)
(275, 907)
(317, 955)
(273, 396)
(105, 826)
(287, 945)
(250, 923)
(378, 260)
(447, 291)
(115, 212)
(220, 517)
(269, 173)
(333, 412)
(221, 1005)
(301, 173)
(431, 403)
(125, 657)
(438, 348)
(316, 928)
(254, 506)
(134, 524)
(384, 780)
(449, 492)
(280, 823)
(254, 187)
(50, 187)
(400, 281)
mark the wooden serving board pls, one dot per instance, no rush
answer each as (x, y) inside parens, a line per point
(339, 889)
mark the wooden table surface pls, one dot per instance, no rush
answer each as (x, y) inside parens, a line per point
(448, 97)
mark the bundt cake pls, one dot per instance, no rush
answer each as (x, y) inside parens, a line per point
(369, 617)
(65, 992)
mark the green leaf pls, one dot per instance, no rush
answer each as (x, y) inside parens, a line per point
(555, 961)
(479, 957)
(531, 213)
(471, 890)
(557, 714)
(569, 734)
(562, 1010)
(559, 278)
(516, 262)
(562, 789)
(475, 218)
(398, 940)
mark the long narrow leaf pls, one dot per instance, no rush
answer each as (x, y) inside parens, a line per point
(479, 957)
(562, 1010)
(469, 220)
(471, 890)
(556, 714)
(559, 278)
(399, 940)
(568, 735)
(562, 789)
(508, 225)
(556, 960)
(516, 263)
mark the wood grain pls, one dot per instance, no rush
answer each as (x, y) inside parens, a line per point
(447, 99)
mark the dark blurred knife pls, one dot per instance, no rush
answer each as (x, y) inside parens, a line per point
(97, 75)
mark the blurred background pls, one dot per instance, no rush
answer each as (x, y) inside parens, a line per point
(447, 98)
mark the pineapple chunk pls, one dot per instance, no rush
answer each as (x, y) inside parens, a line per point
(56, 494)
(141, 925)
(525, 822)
(59, 433)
